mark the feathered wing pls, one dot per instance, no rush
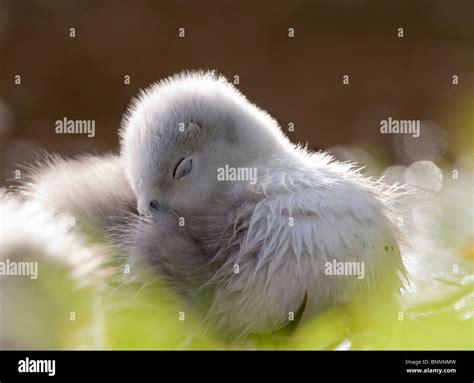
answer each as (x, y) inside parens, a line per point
(287, 229)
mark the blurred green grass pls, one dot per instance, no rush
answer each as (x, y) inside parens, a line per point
(151, 321)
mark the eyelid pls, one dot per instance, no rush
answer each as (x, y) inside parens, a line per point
(183, 167)
(176, 167)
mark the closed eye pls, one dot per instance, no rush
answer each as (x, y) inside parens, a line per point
(176, 167)
(182, 168)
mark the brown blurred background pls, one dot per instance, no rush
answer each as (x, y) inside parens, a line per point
(296, 79)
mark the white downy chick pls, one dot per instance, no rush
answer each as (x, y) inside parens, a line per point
(253, 228)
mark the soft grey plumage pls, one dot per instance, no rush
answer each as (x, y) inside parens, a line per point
(244, 254)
